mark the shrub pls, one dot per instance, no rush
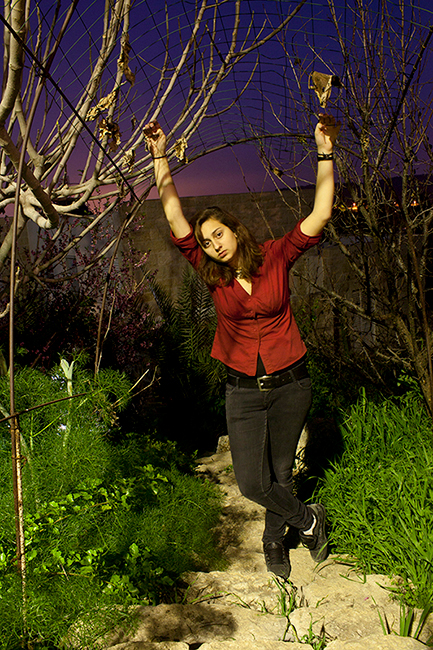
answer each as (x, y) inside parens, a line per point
(61, 316)
(191, 385)
(105, 524)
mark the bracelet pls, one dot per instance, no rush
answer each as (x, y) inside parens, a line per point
(159, 157)
(325, 156)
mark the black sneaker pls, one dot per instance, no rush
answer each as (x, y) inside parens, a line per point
(317, 542)
(277, 559)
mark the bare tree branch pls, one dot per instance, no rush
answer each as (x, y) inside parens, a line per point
(382, 233)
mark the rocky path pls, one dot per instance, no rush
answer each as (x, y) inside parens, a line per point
(245, 608)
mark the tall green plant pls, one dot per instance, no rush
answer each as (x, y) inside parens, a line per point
(191, 382)
(191, 322)
(105, 524)
(379, 494)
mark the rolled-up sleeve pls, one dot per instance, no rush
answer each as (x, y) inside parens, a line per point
(189, 248)
(293, 244)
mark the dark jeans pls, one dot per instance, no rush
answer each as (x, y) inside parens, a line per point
(264, 429)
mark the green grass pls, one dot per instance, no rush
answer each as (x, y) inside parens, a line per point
(106, 525)
(379, 493)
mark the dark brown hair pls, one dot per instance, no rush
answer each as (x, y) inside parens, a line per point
(250, 255)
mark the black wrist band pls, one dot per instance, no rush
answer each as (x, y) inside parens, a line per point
(325, 156)
(159, 157)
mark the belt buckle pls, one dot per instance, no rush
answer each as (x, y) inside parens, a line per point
(261, 383)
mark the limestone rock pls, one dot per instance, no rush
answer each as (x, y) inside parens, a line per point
(241, 607)
(223, 444)
(201, 623)
(258, 592)
(254, 645)
(377, 642)
(305, 622)
(149, 645)
(346, 606)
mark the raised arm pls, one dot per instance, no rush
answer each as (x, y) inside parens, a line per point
(156, 143)
(325, 134)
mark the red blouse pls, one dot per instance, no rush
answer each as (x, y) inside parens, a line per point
(263, 321)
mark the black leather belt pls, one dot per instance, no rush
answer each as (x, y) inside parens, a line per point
(268, 382)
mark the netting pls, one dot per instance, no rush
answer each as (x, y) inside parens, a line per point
(277, 92)
(215, 75)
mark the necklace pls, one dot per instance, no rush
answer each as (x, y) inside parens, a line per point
(238, 273)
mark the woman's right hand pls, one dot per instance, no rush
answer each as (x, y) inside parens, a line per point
(155, 139)
(156, 142)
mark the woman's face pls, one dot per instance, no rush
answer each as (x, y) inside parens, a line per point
(219, 242)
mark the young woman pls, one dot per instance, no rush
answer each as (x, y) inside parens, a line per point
(268, 390)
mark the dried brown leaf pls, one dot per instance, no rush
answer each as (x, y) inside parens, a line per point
(322, 85)
(111, 131)
(128, 160)
(102, 105)
(180, 148)
(123, 60)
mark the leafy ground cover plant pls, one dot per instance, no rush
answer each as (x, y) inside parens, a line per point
(106, 524)
(379, 493)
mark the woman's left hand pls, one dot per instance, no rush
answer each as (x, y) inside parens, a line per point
(326, 133)
(155, 139)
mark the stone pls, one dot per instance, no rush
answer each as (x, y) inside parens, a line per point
(377, 642)
(306, 622)
(346, 605)
(223, 444)
(246, 608)
(254, 645)
(259, 592)
(201, 623)
(149, 645)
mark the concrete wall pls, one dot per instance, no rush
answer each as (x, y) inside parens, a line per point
(267, 215)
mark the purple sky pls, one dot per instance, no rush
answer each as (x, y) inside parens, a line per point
(223, 173)
(310, 36)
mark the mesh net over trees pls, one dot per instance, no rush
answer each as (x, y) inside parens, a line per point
(80, 82)
(113, 68)
(214, 74)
